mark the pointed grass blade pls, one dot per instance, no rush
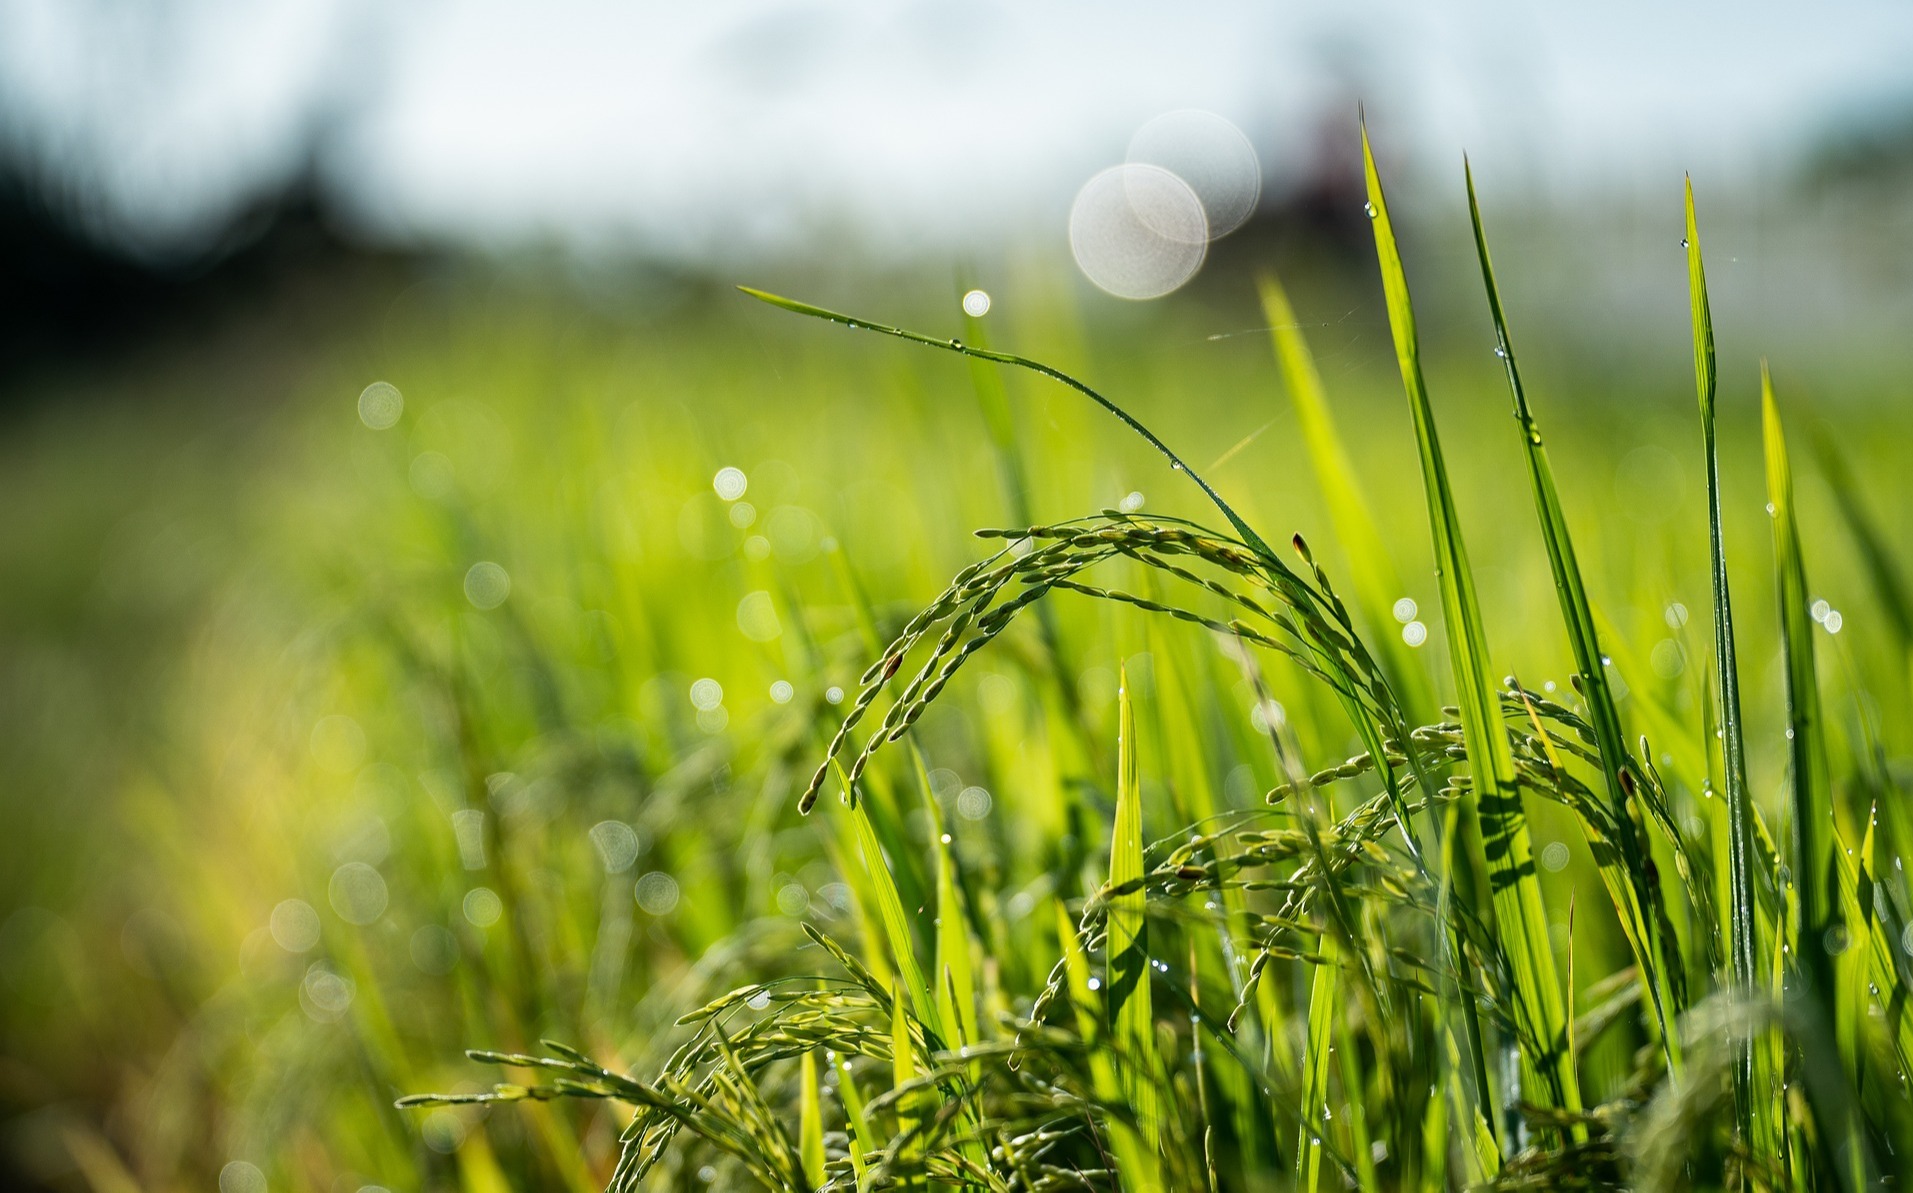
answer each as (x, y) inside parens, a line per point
(1743, 946)
(1819, 885)
(1521, 917)
(1625, 868)
(1812, 818)
(856, 1123)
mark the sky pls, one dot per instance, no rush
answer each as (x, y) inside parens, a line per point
(701, 130)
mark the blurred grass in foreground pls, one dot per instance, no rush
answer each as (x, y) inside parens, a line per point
(334, 750)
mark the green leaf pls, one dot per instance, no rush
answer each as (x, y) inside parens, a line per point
(810, 1124)
(1325, 1006)
(956, 984)
(1135, 1161)
(1374, 580)
(1132, 1020)
(1625, 865)
(1837, 999)
(896, 927)
(858, 1126)
(1521, 917)
(1743, 948)
(1812, 819)
(1006, 358)
(903, 1059)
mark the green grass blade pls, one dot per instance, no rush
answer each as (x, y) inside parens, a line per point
(810, 1124)
(903, 1059)
(1819, 887)
(1521, 917)
(1743, 922)
(1325, 1007)
(999, 420)
(954, 973)
(1626, 876)
(856, 1125)
(896, 928)
(1124, 1140)
(1132, 1021)
(1812, 819)
(1006, 358)
(956, 984)
(1374, 580)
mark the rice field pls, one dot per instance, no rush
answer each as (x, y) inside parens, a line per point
(793, 756)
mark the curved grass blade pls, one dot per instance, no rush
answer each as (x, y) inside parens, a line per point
(1364, 721)
(1626, 875)
(993, 400)
(1521, 916)
(1022, 362)
(1743, 922)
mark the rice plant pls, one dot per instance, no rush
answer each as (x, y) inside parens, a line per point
(1359, 979)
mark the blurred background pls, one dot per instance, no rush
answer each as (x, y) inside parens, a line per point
(342, 727)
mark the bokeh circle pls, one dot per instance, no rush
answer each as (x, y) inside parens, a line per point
(1138, 231)
(1212, 156)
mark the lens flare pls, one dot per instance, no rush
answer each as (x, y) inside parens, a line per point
(1138, 231)
(1212, 156)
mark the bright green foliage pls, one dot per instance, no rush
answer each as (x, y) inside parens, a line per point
(1370, 568)
(1132, 1024)
(1751, 1078)
(1521, 918)
(1619, 846)
(810, 1123)
(1378, 995)
(1325, 1012)
(1185, 880)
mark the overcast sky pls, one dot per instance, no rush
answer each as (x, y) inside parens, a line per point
(694, 129)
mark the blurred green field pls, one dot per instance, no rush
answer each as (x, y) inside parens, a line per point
(302, 799)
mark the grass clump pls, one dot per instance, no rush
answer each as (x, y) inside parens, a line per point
(1361, 980)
